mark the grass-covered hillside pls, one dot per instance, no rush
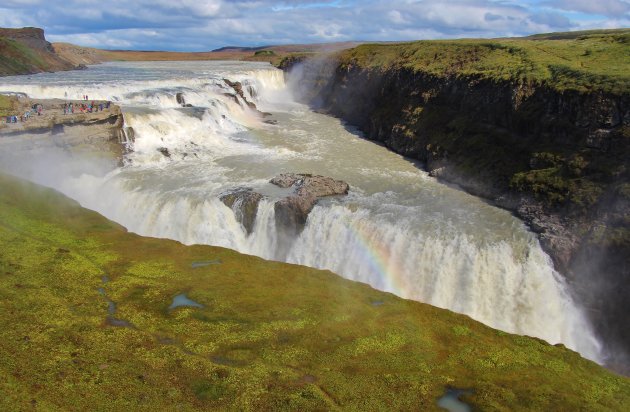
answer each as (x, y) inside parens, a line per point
(87, 323)
(583, 61)
(24, 51)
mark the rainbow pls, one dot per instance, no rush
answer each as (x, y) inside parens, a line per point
(377, 254)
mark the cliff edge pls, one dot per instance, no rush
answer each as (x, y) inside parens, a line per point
(538, 125)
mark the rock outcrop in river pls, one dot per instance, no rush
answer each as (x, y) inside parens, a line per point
(238, 91)
(244, 203)
(292, 211)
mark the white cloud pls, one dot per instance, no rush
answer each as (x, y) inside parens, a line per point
(11, 18)
(208, 24)
(100, 40)
(396, 17)
(601, 7)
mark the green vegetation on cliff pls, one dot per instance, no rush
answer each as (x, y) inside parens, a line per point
(582, 61)
(16, 58)
(492, 107)
(540, 125)
(24, 51)
(269, 336)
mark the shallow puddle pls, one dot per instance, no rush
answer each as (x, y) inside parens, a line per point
(183, 300)
(196, 265)
(119, 323)
(451, 402)
(111, 310)
(225, 361)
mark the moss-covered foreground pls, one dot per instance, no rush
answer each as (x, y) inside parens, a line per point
(271, 336)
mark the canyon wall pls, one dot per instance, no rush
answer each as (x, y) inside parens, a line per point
(557, 158)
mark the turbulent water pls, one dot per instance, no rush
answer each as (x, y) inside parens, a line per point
(398, 229)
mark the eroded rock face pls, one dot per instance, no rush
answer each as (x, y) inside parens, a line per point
(238, 89)
(416, 113)
(244, 203)
(292, 211)
(318, 186)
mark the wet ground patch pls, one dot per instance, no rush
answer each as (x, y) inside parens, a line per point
(451, 400)
(182, 300)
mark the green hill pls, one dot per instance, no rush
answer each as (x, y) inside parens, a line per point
(583, 61)
(261, 335)
(24, 51)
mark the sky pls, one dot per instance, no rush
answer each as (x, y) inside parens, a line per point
(202, 25)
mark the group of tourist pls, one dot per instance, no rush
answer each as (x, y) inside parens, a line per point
(86, 108)
(36, 108)
(68, 108)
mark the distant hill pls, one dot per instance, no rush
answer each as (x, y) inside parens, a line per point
(86, 55)
(25, 50)
(577, 35)
(295, 48)
(240, 49)
(80, 55)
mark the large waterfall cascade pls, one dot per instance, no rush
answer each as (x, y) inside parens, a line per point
(398, 229)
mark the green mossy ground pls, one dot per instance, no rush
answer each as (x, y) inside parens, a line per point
(7, 106)
(582, 61)
(271, 336)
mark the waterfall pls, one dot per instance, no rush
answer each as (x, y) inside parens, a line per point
(398, 230)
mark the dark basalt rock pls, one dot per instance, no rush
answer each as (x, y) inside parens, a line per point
(244, 203)
(238, 89)
(180, 99)
(164, 151)
(292, 211)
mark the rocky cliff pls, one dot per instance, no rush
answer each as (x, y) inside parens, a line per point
(25, 51)
(549, 145)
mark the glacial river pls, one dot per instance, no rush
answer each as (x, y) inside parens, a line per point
(398, 230)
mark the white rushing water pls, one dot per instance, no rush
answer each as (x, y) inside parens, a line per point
(398, 229)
